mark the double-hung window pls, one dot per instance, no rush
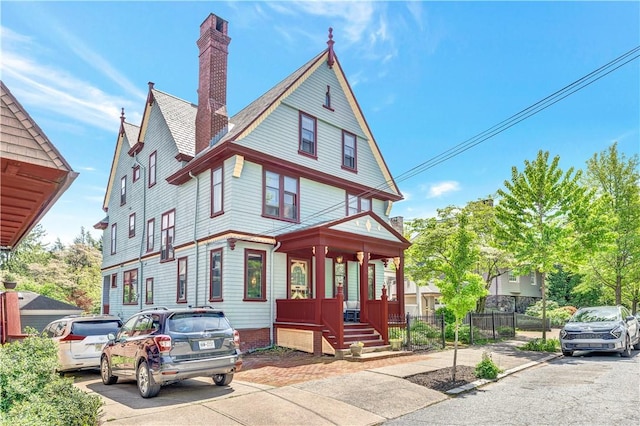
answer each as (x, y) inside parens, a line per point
(255, 275)
(132, 225)
(513, 278)
(114, 238)
(216, 191)
(349, 151)
(181, 290)
(357, 204)
(153, 159)
(136, 173)
(151, 230)
(215, 284)
(167, 235)
(123, 191)
(148, 291)
(281, 196)
(129, 287)
(308, 133)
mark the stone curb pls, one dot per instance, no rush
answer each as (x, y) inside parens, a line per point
(482, 382)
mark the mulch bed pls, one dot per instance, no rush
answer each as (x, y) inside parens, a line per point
(440, 380)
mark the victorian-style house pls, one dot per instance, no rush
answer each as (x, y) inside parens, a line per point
(278, 215)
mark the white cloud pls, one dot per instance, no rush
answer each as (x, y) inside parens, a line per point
(438, 189)
(57, 91)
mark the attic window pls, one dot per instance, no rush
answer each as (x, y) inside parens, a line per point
(327, 99)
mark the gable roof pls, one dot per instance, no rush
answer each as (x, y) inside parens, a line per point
(245, 121)
(180, 117)
(30, 301)
(34, 173)
(129, 132)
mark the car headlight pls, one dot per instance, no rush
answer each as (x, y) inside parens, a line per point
(563, 333)
(617, 332)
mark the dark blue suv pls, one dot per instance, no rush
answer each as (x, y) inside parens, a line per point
(162, 346)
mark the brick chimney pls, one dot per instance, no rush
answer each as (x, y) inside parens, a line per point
(211, 117)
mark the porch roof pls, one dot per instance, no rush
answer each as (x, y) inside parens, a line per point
(365, 232)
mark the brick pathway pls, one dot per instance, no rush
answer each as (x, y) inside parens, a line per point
(288, 371)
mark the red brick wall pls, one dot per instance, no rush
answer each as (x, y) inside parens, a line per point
(211, 116)
(254, 338)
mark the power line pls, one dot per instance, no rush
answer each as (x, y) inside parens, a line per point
(489, 133)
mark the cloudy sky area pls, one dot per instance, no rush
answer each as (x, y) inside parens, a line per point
(427, 76)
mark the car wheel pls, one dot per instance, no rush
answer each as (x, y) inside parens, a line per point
(627, 348)
(567, 353)
(222, 379)
(105, 372)
(147, 387)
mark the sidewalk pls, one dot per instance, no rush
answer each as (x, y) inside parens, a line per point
(332, 393)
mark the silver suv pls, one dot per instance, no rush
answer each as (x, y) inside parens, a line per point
(601, 329)
(162, 346)
(81, 339)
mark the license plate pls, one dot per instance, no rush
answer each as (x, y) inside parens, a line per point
(207, 344)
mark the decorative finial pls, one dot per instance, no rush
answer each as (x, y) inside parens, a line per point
(122, 122)
(330, 42)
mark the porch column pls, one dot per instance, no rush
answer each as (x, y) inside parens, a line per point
(400, 283)
(364, 287)
(320, 281)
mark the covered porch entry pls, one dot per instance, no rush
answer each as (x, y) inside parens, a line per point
(335, 272)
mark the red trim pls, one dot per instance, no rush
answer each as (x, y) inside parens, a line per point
(184, 157)
(355, 152)
(263, 273)
(153, 172)
(136, 173)
(186, 265)
(281, 195)
(221, 211)
(135, 149)
(211, 253)
(151, 234)
(114, 280)
(148, 301)
(301, 151)
(132, 286)
(123, 190)
(132, 230)
(226, 150)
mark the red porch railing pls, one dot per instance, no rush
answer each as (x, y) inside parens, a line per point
(332, 317)
(296, 310)
(378, 315)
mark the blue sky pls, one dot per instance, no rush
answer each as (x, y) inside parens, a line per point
(427, 76)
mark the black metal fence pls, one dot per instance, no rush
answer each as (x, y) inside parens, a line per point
(427, 332)
(417, 333)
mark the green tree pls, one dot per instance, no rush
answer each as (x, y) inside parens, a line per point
(30, 250)
(616, 264)
(444, 250)
(493, 259)
(563, 288)
(540, 215)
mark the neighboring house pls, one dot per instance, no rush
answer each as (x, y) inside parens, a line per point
(512, 293)
(276, 215)
(37, 310)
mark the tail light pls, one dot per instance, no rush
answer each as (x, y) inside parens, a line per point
(236, 338)
(72, 337)
(164, 343)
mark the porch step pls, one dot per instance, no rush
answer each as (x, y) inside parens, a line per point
(358, 332)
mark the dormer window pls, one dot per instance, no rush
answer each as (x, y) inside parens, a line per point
(308, 131)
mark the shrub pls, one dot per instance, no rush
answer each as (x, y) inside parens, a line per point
(464, 333)
(449, 316)
(487, 369)
(505, 331)
(538, 345)
(31, 393)
(424, 329)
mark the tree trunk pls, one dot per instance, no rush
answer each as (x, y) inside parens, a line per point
(618, 290)
(455, 351)
(543, 290)
(481, 305)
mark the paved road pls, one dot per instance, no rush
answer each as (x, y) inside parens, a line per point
(594, 389)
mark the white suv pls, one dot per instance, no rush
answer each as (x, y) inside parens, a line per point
(81, 339)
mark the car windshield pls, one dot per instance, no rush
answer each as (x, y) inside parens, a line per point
(94, 328)
(595, 315)
(197, 322)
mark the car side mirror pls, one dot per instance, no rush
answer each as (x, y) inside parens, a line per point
(111, 337)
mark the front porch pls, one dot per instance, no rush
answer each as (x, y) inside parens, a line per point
(326, 267)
